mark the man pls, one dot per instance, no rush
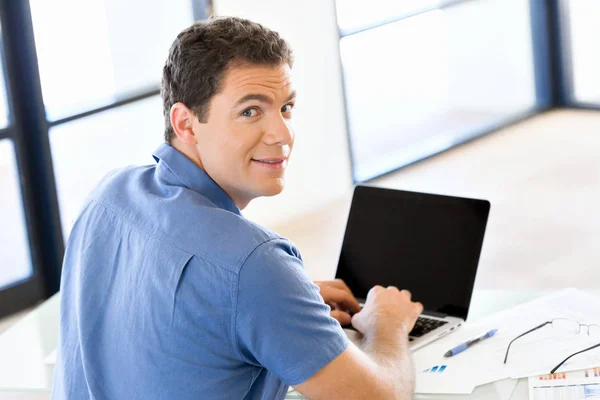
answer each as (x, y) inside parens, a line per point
(168, 292)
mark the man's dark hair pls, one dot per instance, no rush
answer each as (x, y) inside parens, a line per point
(202, 53)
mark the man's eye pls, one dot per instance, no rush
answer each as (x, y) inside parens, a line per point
(249, 112)
(287, 108)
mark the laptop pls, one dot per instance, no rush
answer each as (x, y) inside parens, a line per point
(426, 243)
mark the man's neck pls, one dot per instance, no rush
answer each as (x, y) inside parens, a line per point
(194, 157)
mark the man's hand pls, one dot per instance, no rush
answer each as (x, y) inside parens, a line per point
(341, 300)
(385, 309)
(384, 369)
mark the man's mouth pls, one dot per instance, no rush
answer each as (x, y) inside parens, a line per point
(275, 163)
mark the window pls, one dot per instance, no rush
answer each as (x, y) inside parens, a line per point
(14, 249)
(83, 80)
(86, 149)
(357, 15)
(95, 52)
(581, 27)
(3, 103)
(15, 258)
(422, 84)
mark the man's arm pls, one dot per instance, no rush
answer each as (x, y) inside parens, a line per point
(381, 367)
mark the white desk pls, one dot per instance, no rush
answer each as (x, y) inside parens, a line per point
(24, 346)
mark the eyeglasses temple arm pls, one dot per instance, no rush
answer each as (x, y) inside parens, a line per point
(574, 354)
(523, 334)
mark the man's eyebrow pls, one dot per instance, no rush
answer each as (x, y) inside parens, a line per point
(260, 97)
(254, 96)
(291, 96)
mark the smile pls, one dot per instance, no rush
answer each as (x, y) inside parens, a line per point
(277, 163)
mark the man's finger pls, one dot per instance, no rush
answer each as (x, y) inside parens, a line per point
(340, 284)
(419, 307)
(374, 289)
(343, 317)
(337, 283)
(341, 297)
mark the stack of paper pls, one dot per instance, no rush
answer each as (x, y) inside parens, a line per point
(532, 355)
(583, 384)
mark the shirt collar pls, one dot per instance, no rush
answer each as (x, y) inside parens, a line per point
(193, 177)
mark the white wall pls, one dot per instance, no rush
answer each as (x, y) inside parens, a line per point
(319, 172)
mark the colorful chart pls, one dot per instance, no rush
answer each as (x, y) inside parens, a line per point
(436, 368)
(591, 372)
(552, 377)
(595, 371)
(577, 385)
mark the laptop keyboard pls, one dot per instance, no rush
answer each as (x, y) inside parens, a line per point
(425, 325)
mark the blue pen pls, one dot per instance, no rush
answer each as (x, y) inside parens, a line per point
(464, 346)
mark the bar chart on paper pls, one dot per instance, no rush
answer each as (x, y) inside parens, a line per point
(575, 385)
(436, 369)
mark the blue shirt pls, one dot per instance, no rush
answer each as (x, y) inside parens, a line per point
(168, 292)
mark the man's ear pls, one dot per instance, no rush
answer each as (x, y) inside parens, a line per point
(182, 119)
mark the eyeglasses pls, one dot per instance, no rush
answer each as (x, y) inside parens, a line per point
(565, 326)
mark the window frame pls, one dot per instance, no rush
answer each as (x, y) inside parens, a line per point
(29, 128)
(550, 74)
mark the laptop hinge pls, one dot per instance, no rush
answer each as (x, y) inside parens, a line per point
(435, 314)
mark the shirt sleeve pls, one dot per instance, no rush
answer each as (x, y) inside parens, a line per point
(281, 322)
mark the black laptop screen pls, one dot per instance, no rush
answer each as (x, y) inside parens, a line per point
(428, 244)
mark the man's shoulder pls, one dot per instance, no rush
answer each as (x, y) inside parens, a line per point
(118, 178)
(236, 238)
(181, 216)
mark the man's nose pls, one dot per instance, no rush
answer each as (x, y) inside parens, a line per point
(280, 131)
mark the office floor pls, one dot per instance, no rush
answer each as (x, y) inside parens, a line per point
(542, 177)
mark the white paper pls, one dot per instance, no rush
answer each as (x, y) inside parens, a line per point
(535, 353)
(574, 385)
(434, 383)
(500, 390)
(50, 358)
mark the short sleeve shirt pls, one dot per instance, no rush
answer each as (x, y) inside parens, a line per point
(168, 292)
